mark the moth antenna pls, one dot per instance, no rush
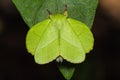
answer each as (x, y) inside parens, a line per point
(65, 7)
(65, 10)
(50, 13)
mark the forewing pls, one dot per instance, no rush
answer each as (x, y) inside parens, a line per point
(34, 35)
(84, 34)
(44, 42)
(71, 47)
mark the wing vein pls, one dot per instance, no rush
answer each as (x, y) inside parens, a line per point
(76, 35)
(41, 36)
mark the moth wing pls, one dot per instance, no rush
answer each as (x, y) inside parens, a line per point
(71, 47)
(84, 34)
(32, 38)
(42, 42)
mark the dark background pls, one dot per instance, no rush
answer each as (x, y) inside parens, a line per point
(17, 64)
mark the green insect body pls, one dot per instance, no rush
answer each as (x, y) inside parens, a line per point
(59, 37)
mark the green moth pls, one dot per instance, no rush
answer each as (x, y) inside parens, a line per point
(59, 37)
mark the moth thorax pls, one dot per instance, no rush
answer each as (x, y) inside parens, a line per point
(59, 59)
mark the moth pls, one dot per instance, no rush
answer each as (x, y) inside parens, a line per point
(59, 37)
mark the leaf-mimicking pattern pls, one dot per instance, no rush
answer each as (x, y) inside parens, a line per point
(59, 37)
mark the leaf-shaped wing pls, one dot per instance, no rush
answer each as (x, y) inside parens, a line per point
(42, 42)
(71, 47)
(84, 34)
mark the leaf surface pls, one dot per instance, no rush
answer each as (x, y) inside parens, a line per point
(34, 11)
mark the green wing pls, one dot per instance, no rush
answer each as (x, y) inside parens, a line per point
(84, 34)
(42, 42)
(59, 36)
(76, 40)
(71, 48)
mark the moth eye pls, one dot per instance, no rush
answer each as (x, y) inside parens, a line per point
(59, 59)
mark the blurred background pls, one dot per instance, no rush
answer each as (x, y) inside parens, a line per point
(17, 64)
